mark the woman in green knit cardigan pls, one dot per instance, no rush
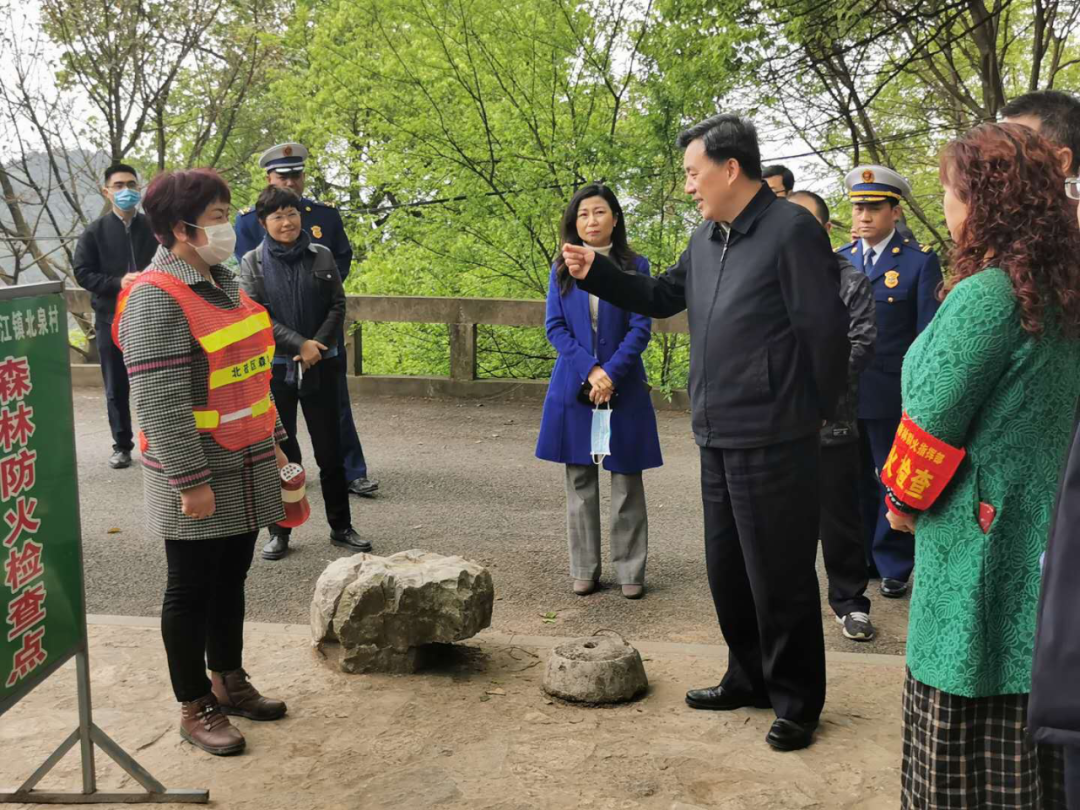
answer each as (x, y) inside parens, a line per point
(989, 394)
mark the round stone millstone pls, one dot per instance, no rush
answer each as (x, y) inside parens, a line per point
(595, 669)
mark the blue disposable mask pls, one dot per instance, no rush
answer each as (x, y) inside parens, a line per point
(601, 434)
(126, 199)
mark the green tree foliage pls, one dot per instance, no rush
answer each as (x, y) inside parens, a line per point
(451, 133)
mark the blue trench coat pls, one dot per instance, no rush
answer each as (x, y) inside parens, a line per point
(621, 337)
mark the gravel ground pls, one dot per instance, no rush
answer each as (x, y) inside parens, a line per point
(457, 478)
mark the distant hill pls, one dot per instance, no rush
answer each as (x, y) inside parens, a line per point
(55, 216)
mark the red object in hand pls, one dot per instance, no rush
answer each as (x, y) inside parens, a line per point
(294, 496)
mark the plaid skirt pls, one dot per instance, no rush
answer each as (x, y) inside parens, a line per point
(972, 754)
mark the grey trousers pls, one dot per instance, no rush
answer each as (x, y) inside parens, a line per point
(629, 524)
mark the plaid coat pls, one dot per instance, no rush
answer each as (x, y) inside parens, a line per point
(169, 373)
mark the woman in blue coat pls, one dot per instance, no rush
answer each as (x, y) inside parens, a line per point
(600, 349)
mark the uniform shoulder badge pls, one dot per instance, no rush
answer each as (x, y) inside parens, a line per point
(245, 210)
(926, 248)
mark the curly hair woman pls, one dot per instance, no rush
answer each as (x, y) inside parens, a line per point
(989, 390)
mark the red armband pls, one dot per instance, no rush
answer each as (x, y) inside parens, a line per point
(919, 466)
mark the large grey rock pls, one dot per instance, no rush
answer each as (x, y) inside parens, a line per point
(595, 669)
(328, 592)
(386, 610)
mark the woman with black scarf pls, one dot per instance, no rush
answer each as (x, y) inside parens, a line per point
(298, 283)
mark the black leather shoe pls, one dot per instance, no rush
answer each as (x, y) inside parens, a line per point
(787, 735)
(349, 539)
(893, 588)
(120, 460)
(277, 548)
(363, 486)
(718, 699)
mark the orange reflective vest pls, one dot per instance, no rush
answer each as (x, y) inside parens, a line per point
(239, 345)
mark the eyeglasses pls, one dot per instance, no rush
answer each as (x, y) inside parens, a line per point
(284, 216)
(118, 186)
(1072, 188)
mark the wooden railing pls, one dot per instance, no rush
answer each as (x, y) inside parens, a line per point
(461, 316)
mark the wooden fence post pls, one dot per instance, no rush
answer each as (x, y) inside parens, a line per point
(462, 351)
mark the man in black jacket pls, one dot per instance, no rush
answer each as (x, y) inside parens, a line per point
(768, 360)
(1054, 707)
(109, 254)
(842, 544)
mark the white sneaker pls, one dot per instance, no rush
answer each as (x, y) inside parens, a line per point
(857, 626)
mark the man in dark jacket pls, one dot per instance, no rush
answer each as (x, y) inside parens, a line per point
(1054, 708)
(768, 360)
(110, 253)
(841, 513)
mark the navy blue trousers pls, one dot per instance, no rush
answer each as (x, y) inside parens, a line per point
(890, 552)
(355, 464)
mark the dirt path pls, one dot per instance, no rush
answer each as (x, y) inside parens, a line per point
(477, 733)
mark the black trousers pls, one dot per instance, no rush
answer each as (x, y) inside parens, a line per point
(1072, 776)
(321, 414)
(761, 527)
(842, 543)
(117, 391)
(203, 611)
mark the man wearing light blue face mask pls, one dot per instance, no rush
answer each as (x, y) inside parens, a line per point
(110, 253)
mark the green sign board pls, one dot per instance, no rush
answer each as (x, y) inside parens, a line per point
(42, 619)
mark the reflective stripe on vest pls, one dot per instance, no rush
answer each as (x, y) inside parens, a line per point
(209, 420)
(241, 371)
(234, 333)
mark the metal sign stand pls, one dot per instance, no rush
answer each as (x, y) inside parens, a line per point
(87, 735)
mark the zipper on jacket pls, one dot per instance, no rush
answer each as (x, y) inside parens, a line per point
(708, 323)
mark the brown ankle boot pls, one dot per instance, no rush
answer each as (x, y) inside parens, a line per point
(238, 697)
(203, 724)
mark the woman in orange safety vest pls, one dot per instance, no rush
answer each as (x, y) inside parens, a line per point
(199, 354)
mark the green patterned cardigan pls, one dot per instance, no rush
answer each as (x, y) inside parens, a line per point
(976, 380)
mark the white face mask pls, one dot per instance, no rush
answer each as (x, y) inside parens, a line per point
(601, 434)
(220, 242)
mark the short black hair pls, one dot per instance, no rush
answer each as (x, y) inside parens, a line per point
(1060, 116)
(821, 207)
(275, 198)
(727, 136)
(116, 168)
(784, 173)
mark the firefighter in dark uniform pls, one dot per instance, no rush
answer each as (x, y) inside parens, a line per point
(284, 165)
(905, 278)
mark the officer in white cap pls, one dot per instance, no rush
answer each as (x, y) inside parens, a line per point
(905, 277)
(284, 165)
